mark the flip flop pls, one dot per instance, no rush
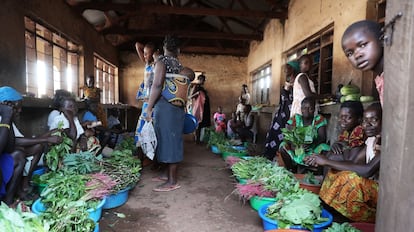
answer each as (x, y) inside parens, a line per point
(164, 188)
(159, 179)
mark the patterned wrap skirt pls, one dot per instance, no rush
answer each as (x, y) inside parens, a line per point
(353, 196)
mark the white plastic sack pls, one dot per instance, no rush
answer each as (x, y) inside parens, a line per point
(148, 140)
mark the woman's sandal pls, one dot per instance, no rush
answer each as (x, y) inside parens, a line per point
(166, 188)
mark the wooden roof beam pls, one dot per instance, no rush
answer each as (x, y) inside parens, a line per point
(183, 33)
(163, 9)
(212, 50)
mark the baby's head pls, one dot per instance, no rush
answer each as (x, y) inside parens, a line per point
(361, 43)
(188, 72)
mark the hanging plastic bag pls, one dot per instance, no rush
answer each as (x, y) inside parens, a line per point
(148, 140)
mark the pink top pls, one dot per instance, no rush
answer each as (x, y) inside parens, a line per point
(379, 84)
(219, 117)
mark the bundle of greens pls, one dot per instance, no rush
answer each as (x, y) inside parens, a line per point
(265, 179)
(128, 143)
(344, 227)
(58, 151)
(215, 138)
(82, 163)
(247, 169)
(299, 138)
(278, 180)
(19, 221)
(67, 198)
(299, 208)
(123, 168)
(311, 179)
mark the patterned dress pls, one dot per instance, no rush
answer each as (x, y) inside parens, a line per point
(354, 139)
(274, 136)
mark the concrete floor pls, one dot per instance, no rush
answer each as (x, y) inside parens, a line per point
(203, 203)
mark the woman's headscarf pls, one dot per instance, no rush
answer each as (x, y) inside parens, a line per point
(295, 65)
(7, 93)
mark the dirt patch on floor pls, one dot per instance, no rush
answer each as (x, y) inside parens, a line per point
(203, 203)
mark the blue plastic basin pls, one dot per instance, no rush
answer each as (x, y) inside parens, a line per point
(116, 200)
(270, 224)
(95, 214)
(215, 149)
(190, 123)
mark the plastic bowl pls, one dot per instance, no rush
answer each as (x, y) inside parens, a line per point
(241, 180)
(239, 148)
(116, 200)
(40, 170)
(225, 154)
(364, 226)
(270, 224)
(257, 202)
(215, 149)
(190, 123)
(40, 187)
(95, 214)
(315, 188)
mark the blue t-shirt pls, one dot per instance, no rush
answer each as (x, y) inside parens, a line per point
(89, 116)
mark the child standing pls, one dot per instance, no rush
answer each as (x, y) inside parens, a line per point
(362, 45)
(220, 120)
(303, 86)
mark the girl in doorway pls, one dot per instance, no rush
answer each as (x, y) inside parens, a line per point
(361, 43)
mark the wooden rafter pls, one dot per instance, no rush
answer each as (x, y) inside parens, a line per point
(187, 34)
(145, 9)
(212, 50)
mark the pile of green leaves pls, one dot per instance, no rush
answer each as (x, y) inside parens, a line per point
(128, 143)
(299, 138)
(58, 151)
(278, 179)
(230, 149)
(344, 227)
(82, 163)
(246, 169)
(19, 221)
(299, 208)
(296, 135)
(123, 168)
(215, 138)
(311, 179)
(67, 198)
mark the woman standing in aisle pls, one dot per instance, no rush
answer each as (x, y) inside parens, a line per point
(274, 136)
(168, 117)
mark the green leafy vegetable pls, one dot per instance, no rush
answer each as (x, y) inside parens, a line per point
(58, 151)
(299, 208)
(19, 221)
(344, 227)
(311, 179)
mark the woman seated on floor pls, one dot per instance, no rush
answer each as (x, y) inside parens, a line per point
(351, 186)
(352, 132)
(315, 136)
